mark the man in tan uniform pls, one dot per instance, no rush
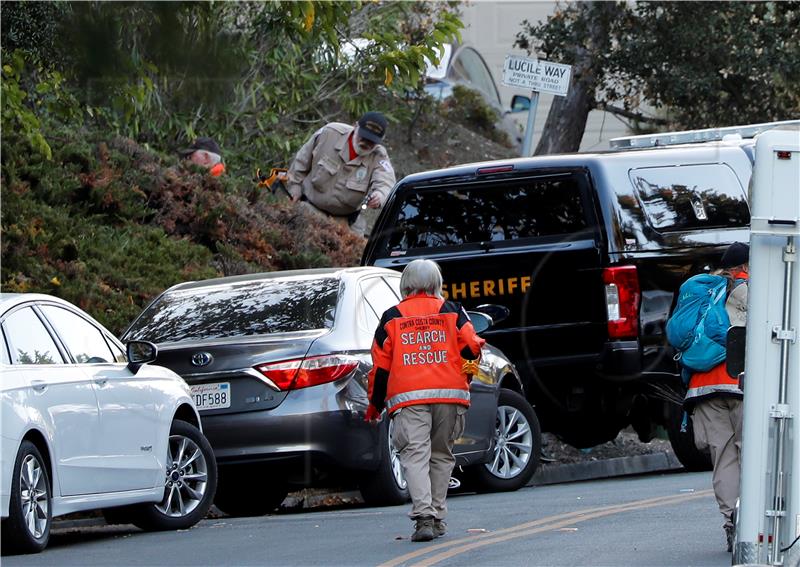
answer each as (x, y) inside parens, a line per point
(342, 168)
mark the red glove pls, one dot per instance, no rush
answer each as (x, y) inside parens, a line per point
(372, 414)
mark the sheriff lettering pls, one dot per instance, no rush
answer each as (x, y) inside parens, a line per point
(487, 288)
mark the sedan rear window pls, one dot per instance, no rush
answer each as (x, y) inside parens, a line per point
(236, 310)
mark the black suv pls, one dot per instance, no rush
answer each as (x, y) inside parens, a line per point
(587, 251)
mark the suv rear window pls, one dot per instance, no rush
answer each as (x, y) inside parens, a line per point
(458, 215)
(691, 197)
(252, 308)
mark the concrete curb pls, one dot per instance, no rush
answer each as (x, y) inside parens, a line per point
(547, 474)
(606, 468)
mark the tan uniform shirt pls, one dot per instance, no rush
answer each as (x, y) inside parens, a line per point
(323, 173)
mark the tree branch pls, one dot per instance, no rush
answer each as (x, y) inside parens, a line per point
(631, 115)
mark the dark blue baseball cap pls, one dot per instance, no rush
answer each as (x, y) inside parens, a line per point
(372, 127)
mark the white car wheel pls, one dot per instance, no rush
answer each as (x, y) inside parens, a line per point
(189, 483)
(27, 529)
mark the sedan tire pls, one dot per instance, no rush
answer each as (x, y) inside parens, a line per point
(27, 528)
(189, 485)
(517, 446)
(387, 485)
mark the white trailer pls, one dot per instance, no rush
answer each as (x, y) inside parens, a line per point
(768, 519)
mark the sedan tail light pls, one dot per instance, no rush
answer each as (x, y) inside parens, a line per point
(622, 301)
(305, 372)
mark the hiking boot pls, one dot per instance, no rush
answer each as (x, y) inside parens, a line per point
(439, 528)
(729, 533)
(423, 529)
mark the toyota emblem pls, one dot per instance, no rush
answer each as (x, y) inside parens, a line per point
(202, 358)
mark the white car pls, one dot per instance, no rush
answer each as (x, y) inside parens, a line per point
(87, 425)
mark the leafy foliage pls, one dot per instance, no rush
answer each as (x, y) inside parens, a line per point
(91, 213)
(26, 95)
(698, 64)
(259, 77)
(469, 107)
(109, 225)
(33, 28)
(736, 63)
(109, 271)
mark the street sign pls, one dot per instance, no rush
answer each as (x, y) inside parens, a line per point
(536, 75)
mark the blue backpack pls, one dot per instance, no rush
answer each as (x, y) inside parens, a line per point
(699, 325)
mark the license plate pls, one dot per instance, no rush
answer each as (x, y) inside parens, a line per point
(212, 396)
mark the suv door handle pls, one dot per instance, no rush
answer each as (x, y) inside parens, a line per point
(39, 385)
(101, 380)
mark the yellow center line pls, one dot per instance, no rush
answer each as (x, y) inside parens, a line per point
(549, 523)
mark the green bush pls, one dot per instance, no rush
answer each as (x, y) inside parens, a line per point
(96, 206)
(107, 225)
(469, 108)
(111, 272)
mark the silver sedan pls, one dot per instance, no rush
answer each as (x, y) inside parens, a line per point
(278, 365)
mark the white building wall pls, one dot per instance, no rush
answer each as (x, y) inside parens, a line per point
(491, 28)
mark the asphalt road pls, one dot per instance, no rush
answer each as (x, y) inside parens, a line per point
(654, 520)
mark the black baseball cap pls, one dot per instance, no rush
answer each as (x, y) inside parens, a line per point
(202, 143)
(737, 254)
(372, 127)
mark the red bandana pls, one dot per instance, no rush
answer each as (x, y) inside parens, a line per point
(353, 153)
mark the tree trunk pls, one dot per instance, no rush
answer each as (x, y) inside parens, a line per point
(566, 121)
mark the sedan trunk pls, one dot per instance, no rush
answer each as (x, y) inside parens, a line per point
(222, 373)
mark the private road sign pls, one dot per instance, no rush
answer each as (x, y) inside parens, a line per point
(536, 75)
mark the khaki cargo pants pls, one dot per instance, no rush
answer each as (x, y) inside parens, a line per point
(718, 426)
(423, 436)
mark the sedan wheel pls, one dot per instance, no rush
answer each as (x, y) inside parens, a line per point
(27, 529)
(189, 483)
(386, 486)
(517, 446)
(186, 479)
(34, 496)
(513, 443)
(394, 456)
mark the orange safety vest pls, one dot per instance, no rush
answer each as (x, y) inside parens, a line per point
(711, 383)
(417, 354)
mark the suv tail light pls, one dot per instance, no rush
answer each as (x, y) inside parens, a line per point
(622, 301)
(305, 372)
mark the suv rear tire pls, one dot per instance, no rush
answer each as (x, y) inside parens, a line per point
(692, 458)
